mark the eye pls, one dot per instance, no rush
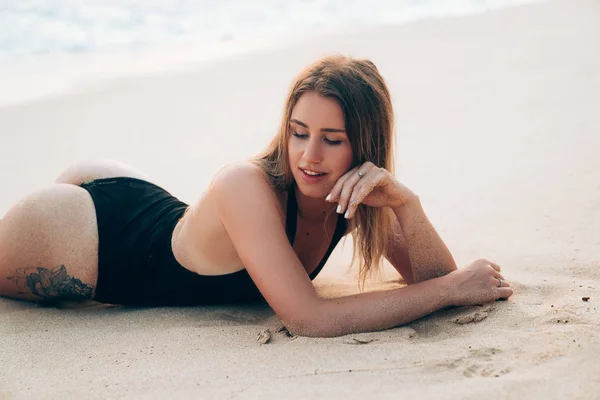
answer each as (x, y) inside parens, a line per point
(333, 142)
(299, 135)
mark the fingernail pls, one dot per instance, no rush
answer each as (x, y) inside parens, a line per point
(347, 214)
(328, 198)
(339, 209)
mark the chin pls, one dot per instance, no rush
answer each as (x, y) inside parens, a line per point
(313, 191)
(313, 194)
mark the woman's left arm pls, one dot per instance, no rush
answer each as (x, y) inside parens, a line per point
(418, 244)
(415, 249)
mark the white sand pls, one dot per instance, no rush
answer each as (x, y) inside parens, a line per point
(498, 131)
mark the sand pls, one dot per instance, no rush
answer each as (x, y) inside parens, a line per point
(498, 120)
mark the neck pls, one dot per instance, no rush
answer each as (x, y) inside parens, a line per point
(312, 210)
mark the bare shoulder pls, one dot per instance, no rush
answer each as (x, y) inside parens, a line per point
(250, 212)
(247, 184)
(239, 173)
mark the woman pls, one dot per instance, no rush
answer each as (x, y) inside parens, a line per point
(263, 229)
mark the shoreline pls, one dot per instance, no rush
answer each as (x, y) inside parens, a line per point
(62, 74)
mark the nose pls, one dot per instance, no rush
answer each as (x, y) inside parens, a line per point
(312, 152)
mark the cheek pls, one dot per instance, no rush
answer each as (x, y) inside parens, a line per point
(345, 159)
(295, 151)
(292, 150)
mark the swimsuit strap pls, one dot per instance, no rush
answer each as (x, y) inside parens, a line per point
(291, 226)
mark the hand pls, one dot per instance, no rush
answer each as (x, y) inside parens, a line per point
(369, 185)
(477, 284)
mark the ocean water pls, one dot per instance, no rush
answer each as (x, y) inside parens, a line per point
(48, 45)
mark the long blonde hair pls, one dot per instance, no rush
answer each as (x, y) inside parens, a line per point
(369, 122)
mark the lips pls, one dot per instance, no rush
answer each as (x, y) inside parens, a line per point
(311, 176)
(312, 172)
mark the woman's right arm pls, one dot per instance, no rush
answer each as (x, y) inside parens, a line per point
(251, 214)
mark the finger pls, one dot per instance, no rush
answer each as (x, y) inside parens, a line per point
(504, 293)
(346, 192)
(497, 275)
(504, 283)
(494, 265)
(362, 190)
(350, 184)
(335, 193)
(499, 283)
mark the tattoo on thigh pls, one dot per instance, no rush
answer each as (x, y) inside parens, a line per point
(52, 284)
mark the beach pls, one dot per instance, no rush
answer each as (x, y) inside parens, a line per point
(498, 131)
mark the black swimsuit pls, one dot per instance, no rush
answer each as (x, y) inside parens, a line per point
(136, 265)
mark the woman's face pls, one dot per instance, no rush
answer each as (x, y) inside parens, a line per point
(318, 147)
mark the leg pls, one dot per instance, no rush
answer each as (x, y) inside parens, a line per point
(88, 171)
(49, 246)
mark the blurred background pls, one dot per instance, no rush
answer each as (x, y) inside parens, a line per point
(48, 46)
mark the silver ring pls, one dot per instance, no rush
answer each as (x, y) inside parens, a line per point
(500, 280)
(361, 174)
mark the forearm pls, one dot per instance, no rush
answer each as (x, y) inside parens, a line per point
(374, 311)
(429, 256)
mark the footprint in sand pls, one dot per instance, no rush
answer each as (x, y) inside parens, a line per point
(473, 314)
(480, 362)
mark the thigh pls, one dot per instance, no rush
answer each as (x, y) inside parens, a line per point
(88, 171)
(49, 246)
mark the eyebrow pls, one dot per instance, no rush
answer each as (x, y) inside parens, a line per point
(322, 130)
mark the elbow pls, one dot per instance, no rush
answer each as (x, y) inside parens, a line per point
(302, 328)
(313, 323)
(320, 322)
(308, 327)
(311, 330)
